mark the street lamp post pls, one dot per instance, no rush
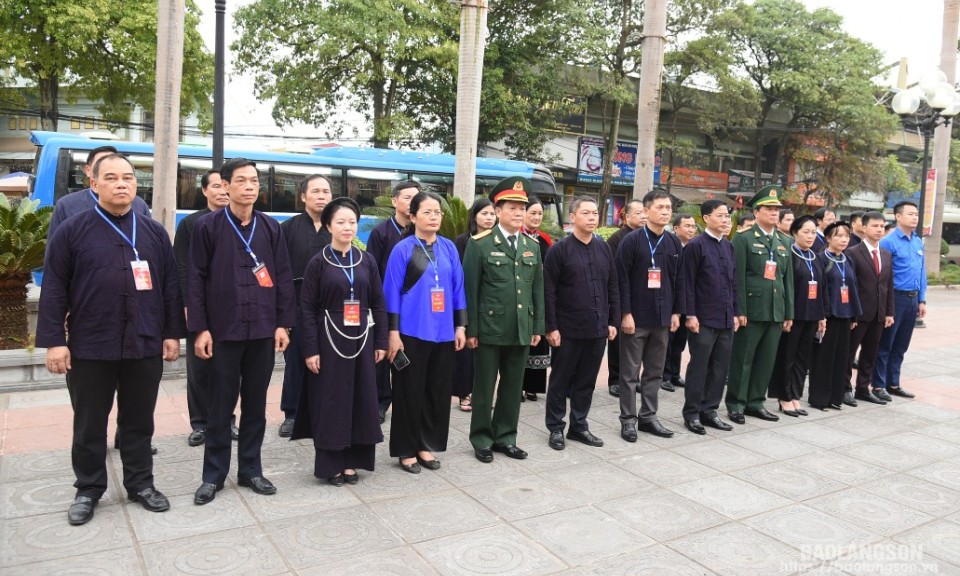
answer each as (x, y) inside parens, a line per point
(942, 104)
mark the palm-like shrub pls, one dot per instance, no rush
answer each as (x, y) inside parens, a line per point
(23, 238)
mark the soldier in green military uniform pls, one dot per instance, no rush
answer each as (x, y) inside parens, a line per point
(765, 299)
(503, 274)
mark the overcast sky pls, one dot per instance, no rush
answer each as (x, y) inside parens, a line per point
(914, 33)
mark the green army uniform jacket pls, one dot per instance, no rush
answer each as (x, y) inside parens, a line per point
(504, 289)
(760, 299)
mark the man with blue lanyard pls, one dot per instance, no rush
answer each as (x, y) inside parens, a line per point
(240, 304)
(909, 300)
(648, 267)
(113, 272)
(379, 245)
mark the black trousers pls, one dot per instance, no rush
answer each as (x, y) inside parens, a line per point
(828, 373)
(707, 371)
(866, 336)
(613, 360)
(238, 369)
(678, 341)
(574, 368)
(421, 398)
(294, 373)
(92, 385)
(384, 390)
(198, 386)
(793, 361)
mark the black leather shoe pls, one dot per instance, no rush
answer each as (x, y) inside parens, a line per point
(836, 406)
(351, 479)
(868, 396)
(737, 417)
(789, 412)
(153, 450)
(628, 432)
(714, 421)
(585, 437)
(196, 437)
(336, 480)
(849, 400)
(286, 428)
(81, 511)
(655, 428)
(666, 385)
(531, 396)
(694, 426)
(614, 390)
(678, 381)
(556, 440)
(898, 391)
(802, 412)
(206, 493)
(151, 499)
(484, 455)
(411, 468)
(258, 484)
(429, 464)
(510, 450)
(882, 394)
(761, 413)
(383, 415)
(234, 431)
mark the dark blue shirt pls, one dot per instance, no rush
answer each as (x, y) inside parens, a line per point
(806, 309)
(710, 282)
(581, 293)
(909, 270)
(837, 273)
(411, 305)
(382, 240)
(81, 201)
(304, 242)
(651, 307)
(88, 276)
(223, 295)
(181, 247)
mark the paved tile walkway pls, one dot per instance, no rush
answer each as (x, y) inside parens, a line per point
(869, 490)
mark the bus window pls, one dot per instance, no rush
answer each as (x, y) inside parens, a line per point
(286, 178)
(437, 183)
(365, 185)
(189, 178)
(485, 185)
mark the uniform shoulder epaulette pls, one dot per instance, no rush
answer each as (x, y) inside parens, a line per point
(483, 234)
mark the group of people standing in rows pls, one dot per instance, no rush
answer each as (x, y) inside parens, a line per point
(417, 318)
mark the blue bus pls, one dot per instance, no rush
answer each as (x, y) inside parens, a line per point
(361, 173)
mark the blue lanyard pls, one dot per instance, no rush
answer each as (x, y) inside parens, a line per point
(436, 268)
(94, 196)
(396, 226)
(343, 267)
(653, 249)
(807, 256)
(131, 241)
(246, 242)
(841, 266)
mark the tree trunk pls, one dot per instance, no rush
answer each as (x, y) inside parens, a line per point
(758, 143)
(170, 14)
(381, 136)
(610, 151)
(473, 34)
(941, 144)
(648, 104)
(49, 102)
(14, 330)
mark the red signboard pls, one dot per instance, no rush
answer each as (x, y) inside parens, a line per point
(695, 178)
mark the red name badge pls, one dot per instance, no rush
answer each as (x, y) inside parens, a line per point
(812, 290)
(351, 312)
(770, 270)
(436, 300)
(844, 295)
(653, 278)
(141, 275)
(263, 276)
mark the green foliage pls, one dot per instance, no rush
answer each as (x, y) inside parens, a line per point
(102, 50)
(456, 217)
(23, 236)
(606, 232)
(803, 67)
(949, 275)
(395, 62)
